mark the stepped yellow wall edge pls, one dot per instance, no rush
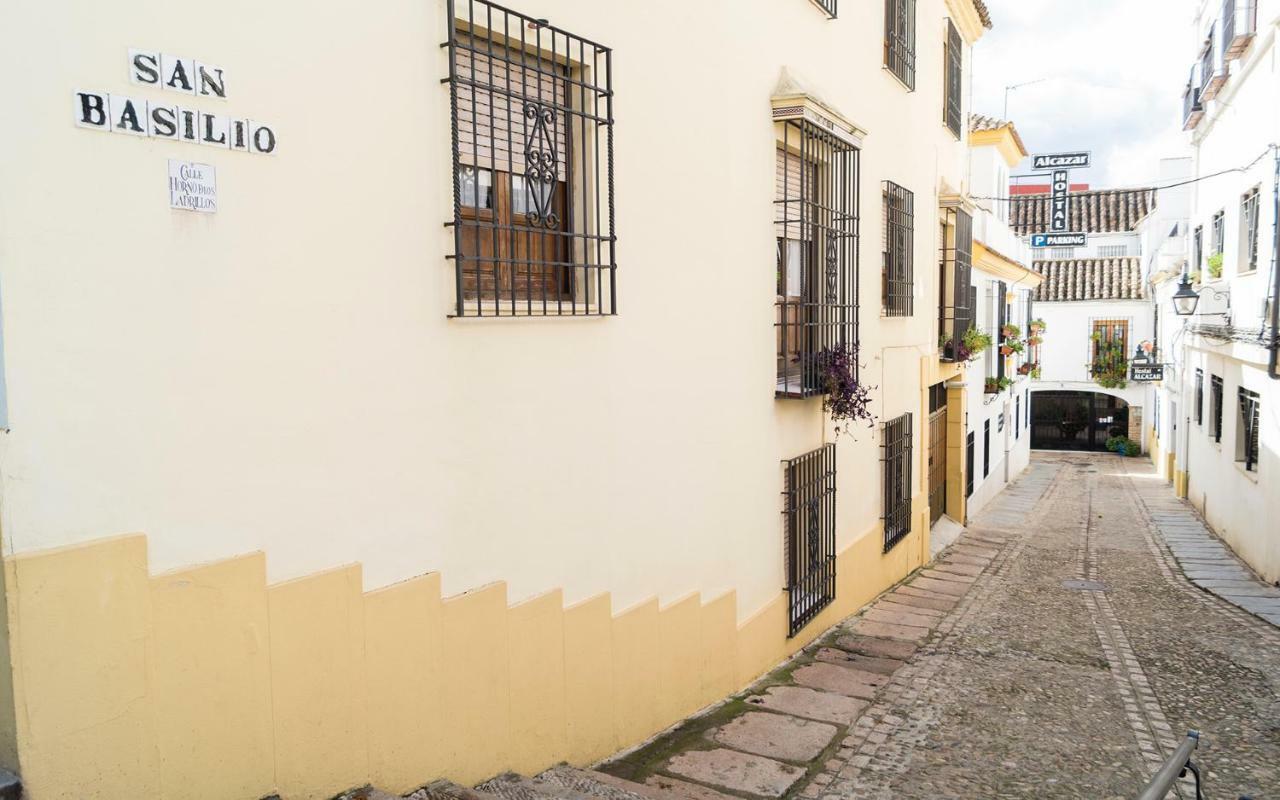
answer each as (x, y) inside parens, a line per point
(209, 683)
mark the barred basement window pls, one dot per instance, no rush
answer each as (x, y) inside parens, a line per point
(1247, 434)
(953, 104)
(1249, 226)
(828, 6)
(532, 137)
(899, 229)
(1199, 399)
(816, 225)
(1215, 407)
(900, 40)
(956, 305)
(897, 480)
(810, 518)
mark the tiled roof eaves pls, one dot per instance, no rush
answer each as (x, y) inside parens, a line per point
(1070, 280)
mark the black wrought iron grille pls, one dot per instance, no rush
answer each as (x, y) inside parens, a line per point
(953, 103)
(900, 40)
(816, 225)
(1250, 420)
(1199, 400)
(1219, 231)
(899, 233)
(810, 519)
(1197, 248)
(1002, 315)
(968, 465)
(533, 190)
(986, 448)
(1249, 218)
(897, 480)
(955, 304)
(828, 6)
(1215, 407)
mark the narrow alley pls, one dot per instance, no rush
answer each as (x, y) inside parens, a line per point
(1057, 650)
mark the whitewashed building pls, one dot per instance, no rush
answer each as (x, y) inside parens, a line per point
(1228, 451)
(997, 439)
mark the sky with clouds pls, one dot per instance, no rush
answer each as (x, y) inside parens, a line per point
(1112, 74)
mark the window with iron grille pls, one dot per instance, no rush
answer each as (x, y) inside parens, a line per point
(900, 40)
(897, 480)
(953, 107)
(1197, 248)
(1249, 230)
(1215, 407)
(532, 134)
(899, 229)
(1247, 431)
(968, 465)
(828, 6)
(956, 304)
(1219, 231)
(1062, 253)
(816, 226)
(1017, 417)
(810, 520)
(1106, 336)
(1113, 250)
(1199, 399)
(986, 448)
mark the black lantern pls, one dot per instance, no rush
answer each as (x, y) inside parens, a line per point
(1185, 299)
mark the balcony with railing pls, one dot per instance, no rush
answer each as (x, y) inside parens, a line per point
(1192, 107)
(1239, 26)
(1213, 69)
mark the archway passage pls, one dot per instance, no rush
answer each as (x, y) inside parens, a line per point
(1076, 420)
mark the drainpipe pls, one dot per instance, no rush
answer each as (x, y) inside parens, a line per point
(1274, 362)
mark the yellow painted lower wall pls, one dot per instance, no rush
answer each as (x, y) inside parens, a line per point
(208, 683)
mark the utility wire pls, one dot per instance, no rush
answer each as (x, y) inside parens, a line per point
(1245, 168)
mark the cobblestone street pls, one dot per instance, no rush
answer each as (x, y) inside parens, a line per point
(1057, 650)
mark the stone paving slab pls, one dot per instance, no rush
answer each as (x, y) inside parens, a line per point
(940, 587)
(878, 614)
(972, 570)
(909, 596)
(883, 666)
(876, 648)
(840, 680)
(776, 736)
(906, 633)
(684, 790)
(801, 701)
(891, 603)
(738, 772)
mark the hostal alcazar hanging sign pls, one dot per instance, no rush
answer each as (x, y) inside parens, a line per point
(159, 119)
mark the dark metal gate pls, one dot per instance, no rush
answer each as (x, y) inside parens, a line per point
(1076, 420)
(937, 453)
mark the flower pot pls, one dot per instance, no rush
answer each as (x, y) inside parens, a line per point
(1006, 350)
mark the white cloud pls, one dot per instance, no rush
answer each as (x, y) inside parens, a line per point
(1113, 73)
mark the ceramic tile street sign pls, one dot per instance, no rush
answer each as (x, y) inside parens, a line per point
(192, 187)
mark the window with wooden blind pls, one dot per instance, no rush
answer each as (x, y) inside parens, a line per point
(1248, 429)
(897, 480)
(1199, 398)
(809, 513)
(1108, 337)
(898, 286)
(1215, 408)
(816, 230)
(1249, 231)
(900, 40)
(532, 136)
(953, 86)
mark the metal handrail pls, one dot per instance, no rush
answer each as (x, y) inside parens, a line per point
(1178, 765)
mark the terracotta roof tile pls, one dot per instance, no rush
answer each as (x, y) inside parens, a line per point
(983, 12)
(1105, 211)
(1090, 279)
(979, 123)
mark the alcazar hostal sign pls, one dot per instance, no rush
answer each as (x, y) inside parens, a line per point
(159, 119)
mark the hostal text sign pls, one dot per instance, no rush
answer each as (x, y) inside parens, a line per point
(160, 119)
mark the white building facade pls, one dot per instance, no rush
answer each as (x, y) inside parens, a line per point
(1227, 455)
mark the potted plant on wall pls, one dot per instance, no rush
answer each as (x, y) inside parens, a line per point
(1011, 346)
(845, 398)
(1215, 266)
(1037, 326)
(1011, 331)
(973, 344)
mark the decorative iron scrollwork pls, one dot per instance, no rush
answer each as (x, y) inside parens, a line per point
(813, 536)
(541, 164)
(833, 269)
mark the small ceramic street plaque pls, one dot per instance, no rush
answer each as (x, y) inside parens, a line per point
(192, 186)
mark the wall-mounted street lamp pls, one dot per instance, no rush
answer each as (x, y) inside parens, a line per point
(1185, 299)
